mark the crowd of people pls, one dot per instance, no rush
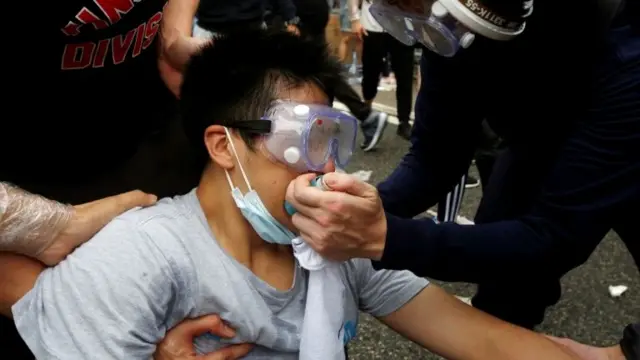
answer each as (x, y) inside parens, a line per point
(220, 113)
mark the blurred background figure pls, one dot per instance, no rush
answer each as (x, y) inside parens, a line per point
(350, 48)
(313, 18)
(486, 153)
(378, 46)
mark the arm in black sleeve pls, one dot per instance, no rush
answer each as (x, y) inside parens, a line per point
(443, 140)
(285, 8)
(592, 184)
(630, 343)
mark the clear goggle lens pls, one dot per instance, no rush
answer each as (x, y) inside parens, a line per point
(441, 35)
(307, 136)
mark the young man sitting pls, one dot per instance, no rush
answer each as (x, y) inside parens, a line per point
(256, 104)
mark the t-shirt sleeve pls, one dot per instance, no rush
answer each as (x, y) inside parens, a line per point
(382, 292)
(107, 300)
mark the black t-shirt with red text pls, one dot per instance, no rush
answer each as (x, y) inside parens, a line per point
(89, 89)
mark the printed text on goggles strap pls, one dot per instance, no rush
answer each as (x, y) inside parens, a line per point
(305, 136)
(437, 29)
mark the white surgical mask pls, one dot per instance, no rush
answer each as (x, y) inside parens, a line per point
(253, 209)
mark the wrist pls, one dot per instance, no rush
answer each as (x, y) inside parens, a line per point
(614, 353)
(375, 249)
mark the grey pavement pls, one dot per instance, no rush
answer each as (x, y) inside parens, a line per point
(586, 312)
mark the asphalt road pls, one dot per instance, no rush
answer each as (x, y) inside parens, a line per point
(586, 312)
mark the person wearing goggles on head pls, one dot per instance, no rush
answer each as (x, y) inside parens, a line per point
(568, 110)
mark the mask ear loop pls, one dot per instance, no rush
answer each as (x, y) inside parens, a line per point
(235, 153)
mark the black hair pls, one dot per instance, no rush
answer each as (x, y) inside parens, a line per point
(238, 77)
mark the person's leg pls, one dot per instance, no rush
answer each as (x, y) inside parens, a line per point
(487, 152)
(350, 98)
(372, 62)
(386, 68)
(343, 48)
(402, 59)
(372, 122)
(449, 207)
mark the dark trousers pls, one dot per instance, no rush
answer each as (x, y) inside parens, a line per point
(375, 48)
(512, 190)
(489, 145)
(346, 95)
(164, 164)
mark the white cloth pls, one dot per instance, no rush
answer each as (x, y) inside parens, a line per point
(367, 20)
(324, 311)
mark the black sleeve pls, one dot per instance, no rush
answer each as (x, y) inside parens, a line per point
(630, 343)
(592, 184)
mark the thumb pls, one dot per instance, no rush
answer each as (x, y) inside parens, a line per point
(100, 212)
(347, 183)
(117, 204)
(211, 324)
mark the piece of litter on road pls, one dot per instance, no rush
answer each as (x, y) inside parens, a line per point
(464, 299)
(363, 175)
(617, 290)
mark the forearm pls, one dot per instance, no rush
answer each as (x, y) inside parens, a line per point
(29, 222)
(172, 78)
(176, 29)
(447, 326)
(477, 253)
(18, 274)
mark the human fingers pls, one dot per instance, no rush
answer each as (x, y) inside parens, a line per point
(348, 184)
(230, 352)
(98, 213)
(192, 328)
(307, 227)
(298, 192)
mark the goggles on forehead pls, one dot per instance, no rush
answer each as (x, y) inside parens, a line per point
(306, 137)
(437, 27)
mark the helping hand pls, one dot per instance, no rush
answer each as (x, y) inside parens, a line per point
(293, 29)
(178, 344)
(358, 29)
(347, 222)
(586, 352)
(88, 219)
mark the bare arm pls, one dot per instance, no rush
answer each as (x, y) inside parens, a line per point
(29, 223)
(18, 274)
(447, 326)
(176, 29)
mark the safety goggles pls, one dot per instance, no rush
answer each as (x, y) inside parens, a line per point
(306, 137)
(432, 27)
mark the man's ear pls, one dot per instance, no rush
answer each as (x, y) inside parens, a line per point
(217, 143)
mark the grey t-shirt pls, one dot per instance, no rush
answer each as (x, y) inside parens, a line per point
(116, 296)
